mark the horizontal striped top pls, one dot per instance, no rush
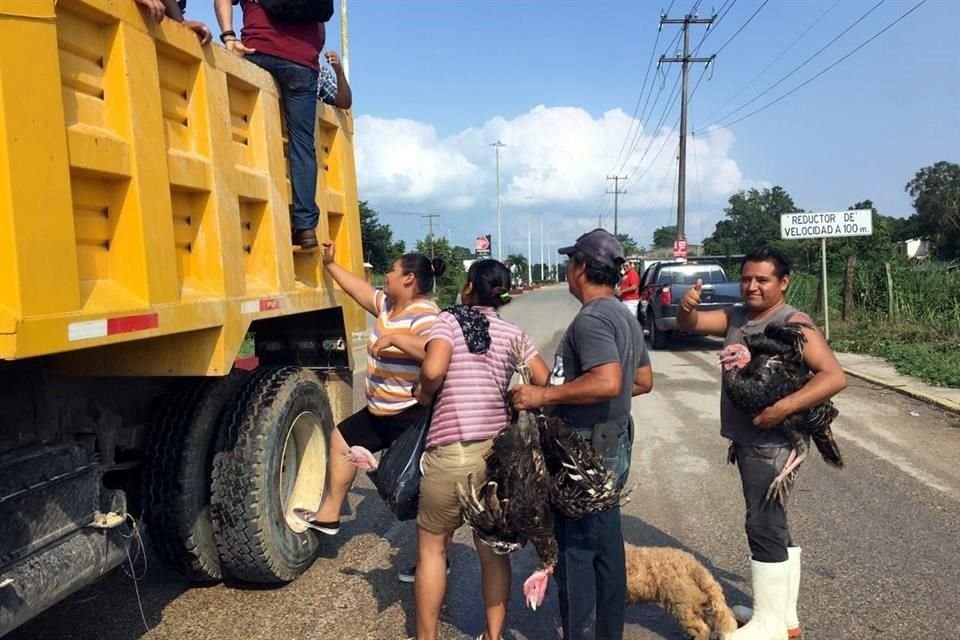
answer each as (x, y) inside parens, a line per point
(390, 378)
(472, 403)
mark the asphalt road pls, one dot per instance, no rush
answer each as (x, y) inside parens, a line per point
(881, 538)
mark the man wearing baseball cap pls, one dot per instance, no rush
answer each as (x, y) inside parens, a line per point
(600, 365)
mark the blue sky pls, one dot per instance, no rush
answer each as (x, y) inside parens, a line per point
(436, 81)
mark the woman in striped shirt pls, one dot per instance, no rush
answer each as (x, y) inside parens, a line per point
(395, 349)
(470, 353)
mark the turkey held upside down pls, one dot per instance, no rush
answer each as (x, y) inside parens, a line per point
(770, 367)
(536, 466)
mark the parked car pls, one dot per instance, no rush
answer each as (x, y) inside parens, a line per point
(663, 285)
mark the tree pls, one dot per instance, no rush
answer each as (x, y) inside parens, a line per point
(462, 253)
(630, 246)
(753, 220)
(936, 198)
(517, 265)
(872, 249)
(379, 249)
(664, 236)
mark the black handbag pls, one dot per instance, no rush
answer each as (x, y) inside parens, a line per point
(397, 476)
(299, 10)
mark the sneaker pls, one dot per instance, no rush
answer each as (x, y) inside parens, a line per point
(409, 576)
(306, 517)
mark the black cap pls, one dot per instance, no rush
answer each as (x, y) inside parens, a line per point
(599, 245)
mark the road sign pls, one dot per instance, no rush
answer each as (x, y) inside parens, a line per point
(482, 246)
(829, 224)
(679, 248)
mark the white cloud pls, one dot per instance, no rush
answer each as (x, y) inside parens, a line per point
(404, 161)
(555, 164)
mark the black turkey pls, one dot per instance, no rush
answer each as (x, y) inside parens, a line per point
(536, 465)
(770, 367)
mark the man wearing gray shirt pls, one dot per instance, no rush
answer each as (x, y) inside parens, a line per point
(759, 449)
(601, 364)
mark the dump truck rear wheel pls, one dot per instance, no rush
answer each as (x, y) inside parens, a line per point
(271, 458)
(177, 475)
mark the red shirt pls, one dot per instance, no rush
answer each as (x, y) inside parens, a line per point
(299, 42)
(630, 279)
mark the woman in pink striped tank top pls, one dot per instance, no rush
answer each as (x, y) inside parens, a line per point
(470, 358)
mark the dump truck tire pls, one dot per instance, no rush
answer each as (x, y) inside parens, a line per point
(271, 457)
(177, 473)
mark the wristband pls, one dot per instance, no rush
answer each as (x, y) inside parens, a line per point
(227, 34)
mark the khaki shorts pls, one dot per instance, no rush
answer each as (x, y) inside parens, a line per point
(443, 467)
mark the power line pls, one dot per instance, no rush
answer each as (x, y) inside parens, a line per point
(685, 62)
(673, 129)
(742, 27)
(636, 108)
(670, 169)
(696, 170)
(723, 11)
(643, 114)
(801, 65)
(773, 61)
(663, 117)
(802, 85)
(390, 211)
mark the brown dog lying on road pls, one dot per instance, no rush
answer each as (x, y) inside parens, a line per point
(675, 580)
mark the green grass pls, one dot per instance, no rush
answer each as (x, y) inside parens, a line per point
(247, 348)
(923, 337)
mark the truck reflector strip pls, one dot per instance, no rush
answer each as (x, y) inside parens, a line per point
(263, 304)
(90, 329)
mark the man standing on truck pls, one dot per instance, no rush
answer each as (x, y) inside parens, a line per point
(290, 51)
(601, 363)
(759, 450)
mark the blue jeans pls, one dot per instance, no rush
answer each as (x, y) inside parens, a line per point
(592, 576)
(298, 97)
(591, 572)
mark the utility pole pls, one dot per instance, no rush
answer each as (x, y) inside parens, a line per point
(529, 251)
(344, 48)
(549, 259)
(541, 249)
(686, 21)
(496, 145)
(430, 217)
(616, 198)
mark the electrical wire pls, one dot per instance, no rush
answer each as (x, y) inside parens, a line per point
(799, 66)
(834, 64)
(772, 62)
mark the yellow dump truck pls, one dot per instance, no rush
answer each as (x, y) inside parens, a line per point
(144, 239)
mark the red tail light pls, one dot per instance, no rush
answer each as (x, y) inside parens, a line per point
(666, 296)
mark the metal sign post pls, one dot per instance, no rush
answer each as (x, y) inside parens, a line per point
(828, 224)
(823, 276)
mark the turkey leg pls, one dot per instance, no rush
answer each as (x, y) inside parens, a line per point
(780, 486)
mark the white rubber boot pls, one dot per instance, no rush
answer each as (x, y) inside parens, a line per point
(792, 620)
(743, 613)
(771, 589)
